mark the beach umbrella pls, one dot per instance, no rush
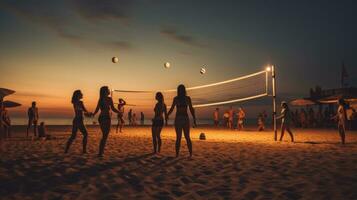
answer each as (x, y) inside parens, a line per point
(4, 92)
(302, 102)
(10, 104)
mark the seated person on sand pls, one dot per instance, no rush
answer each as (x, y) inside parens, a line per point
(42, 132)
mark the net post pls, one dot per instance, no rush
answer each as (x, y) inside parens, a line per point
(274, 102)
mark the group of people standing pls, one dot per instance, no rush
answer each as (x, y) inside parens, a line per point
(132, 119)
(228, 118)
(105, 104)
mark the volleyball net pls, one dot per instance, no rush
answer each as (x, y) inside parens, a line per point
(239, 89)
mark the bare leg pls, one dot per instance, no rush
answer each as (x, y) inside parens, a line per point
(282, 132)
(121, 124)
(28, 127)
(105, 127)
(118, 124)
(186, 131)
(73, 136)
(154, 132)
(178, 130)
(35, 128)
(158, 135)
(290, 133)
(83, 129)
(341, 130)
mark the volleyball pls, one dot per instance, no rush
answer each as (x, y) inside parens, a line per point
(167, 65)
(115, 59)
(203, 70)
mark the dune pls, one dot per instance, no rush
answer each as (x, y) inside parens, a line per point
(228, 165)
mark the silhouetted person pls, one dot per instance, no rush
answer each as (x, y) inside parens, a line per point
(341, 118)
(158, 121)
(216, 117)
(142, 118)
(6, 123)
(230, 119)
(77, 122)
(121, 121)
(105, 104)
(42, 130)
(130, 116)
(303, 119)
(134, 120)
(286, 119)
(261, 125)
(33, 116)
(241, 118)
(182, 122)
(226, 118)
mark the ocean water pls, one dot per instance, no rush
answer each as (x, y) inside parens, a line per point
(91, 121)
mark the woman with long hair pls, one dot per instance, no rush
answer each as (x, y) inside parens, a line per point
(286, 119)
(105, 104)
(77, 123)
(158, 121)
(121, 121)
(182, 122)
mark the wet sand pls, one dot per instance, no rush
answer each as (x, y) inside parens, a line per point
(228, 165)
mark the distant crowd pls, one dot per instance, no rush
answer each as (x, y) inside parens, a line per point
(322, 118)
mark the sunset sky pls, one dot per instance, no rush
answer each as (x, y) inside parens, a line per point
(50, 48)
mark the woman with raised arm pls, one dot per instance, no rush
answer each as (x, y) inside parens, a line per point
(105, 104)
(79, 109)
(286, 119)
(182, 121)
(158, 121)
(121, 121)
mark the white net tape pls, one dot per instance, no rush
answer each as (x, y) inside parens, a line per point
(235, 90)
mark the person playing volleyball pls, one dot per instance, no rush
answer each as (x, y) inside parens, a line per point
(285, 121)
(121, 121)
(182, 122)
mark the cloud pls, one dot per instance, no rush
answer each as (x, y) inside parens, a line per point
(173, 34)
(39, 13)
(35, 94)
(96, 10)
(50, 17)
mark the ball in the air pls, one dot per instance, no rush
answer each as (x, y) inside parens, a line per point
(115, 59)
(203, 70)
(167, 65)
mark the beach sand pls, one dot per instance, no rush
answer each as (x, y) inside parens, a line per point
(228, 165)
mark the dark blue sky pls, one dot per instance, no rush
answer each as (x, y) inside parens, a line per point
(53, 47)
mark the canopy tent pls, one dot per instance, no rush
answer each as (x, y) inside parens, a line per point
(5, 92)
(10, 104)
(302, 102)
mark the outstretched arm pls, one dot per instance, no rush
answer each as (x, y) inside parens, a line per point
(192, 110)
(172, 107)
(85, 110)
(96, 109)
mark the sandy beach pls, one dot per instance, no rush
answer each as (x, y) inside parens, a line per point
(228, 165)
